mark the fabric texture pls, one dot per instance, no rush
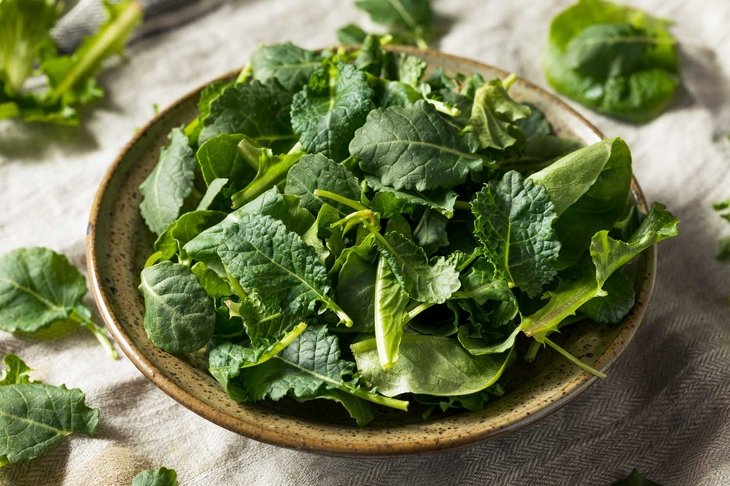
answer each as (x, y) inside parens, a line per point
(665, 406)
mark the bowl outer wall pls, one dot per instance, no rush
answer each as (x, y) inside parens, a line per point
(113, 255)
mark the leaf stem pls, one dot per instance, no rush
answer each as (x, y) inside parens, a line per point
(98, 332)
(574, 360)
(321, 193)
(411, 314)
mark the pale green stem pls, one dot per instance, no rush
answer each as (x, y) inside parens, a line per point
(574, 360)
(321, 193)
(98, 332)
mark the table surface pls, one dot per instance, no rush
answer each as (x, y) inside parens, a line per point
(665, 407)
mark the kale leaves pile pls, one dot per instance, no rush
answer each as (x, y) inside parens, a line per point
(346, 225)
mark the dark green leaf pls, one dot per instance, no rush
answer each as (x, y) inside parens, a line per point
(219, 158)
(179, 315)
(356, 290)
(413, 148)
(423, 281)
(635, 479)
(327, 113)
(263, 255)
(35, 417)
(493, 118)
(514, 219)
(169, 183)
(613, 307)
(290, 65)
(410, 18)
(615, 59)
(186, 228)
(351, 34)
(389, 201)
(430, 234)
(389, 314)
(431, 365)
(255, 109)
(319, 172)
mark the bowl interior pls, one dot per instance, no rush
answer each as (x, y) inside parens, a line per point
(119, 243)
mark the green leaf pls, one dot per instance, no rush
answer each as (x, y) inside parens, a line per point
(605, 50)
(413, 148)
(184, 229)
(211, 282)
(356, 290)
(179, 315)
(430, 365)
(219, 158)
(607, 255)
(156, 477)
(38, 288)
(288, 64)
(169, 183)
(15, 372)
(409, 18)
(617, 303)
(389, 202)
(263, 255)
(330, 108)
(319, 172)
(431, 234)
(35, 417)
(214, 190)
(478, 347)
(423, 281)
(589, 189)
(271, 169)
(351, 34)
(311, 368)
(389, 314)
(483, 283)
(226, 360)
(493, 118)
(514, 219)
(283, 207)
(615, 59)
(635, 479)
(255, 109)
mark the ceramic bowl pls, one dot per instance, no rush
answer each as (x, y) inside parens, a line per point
(119, 242)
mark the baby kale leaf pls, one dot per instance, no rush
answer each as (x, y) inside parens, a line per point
(431, 365)
(263, 255)
(514, 222)
(330, 108)
(288, 64)
(179, 315)
(167, 186)
(413, 147)
(39, 288)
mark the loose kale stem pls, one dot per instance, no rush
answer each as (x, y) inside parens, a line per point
(321, 193)
(97, 331)
(574, 360)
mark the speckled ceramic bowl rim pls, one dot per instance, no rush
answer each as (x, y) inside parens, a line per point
(570, 389)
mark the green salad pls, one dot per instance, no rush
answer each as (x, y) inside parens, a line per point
(353, 226)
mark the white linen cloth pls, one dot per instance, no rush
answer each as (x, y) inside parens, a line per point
(665, 407)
